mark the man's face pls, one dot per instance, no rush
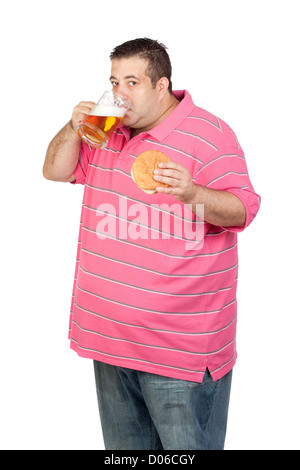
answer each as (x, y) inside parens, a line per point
(128, 76)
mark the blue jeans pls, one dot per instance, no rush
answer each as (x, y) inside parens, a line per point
(142, 411)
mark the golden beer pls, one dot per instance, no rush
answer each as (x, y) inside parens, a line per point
(104, 118)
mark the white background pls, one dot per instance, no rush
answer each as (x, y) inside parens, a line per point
(240, 60)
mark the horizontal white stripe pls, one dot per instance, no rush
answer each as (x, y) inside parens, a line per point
(224, 175)
(136, 359)
(232, 155)
(216, 126)
(165, 348)
(197, 137)
(154, 207)
(151, 291)
(158, 312)
(154, 363)
(196, 224)
(154, 142)
(168, 255)
(159, 273)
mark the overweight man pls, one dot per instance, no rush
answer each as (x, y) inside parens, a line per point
(154, 300)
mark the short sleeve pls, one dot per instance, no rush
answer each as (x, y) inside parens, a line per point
(226, 170)
(83, 162)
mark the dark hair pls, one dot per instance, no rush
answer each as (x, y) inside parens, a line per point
(159, 64)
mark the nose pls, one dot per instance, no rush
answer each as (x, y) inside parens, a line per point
(120, 89)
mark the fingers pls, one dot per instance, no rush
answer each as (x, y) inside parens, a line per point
(81, 111)
(178, 178)
(172, 174)
(172, 166)
(168, 178)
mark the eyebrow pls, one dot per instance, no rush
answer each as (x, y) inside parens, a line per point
(126, 78)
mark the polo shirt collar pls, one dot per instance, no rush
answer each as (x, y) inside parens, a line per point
(181, 111)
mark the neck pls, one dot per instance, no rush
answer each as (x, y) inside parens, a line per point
(167, 109)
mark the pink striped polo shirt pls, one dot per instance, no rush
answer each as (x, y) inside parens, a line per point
(155, 287)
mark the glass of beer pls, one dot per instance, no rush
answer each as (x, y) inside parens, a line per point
(103, 119)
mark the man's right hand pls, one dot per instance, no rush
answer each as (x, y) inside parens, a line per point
(80, 112)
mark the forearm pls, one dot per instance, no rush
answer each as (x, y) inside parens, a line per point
(62, 155)
(63, 151)
(221, 208)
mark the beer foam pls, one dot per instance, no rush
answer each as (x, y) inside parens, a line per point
(107, 110)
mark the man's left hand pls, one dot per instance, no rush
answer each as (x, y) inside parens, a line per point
(179, 179)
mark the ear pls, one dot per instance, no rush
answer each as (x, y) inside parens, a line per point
(163, 85)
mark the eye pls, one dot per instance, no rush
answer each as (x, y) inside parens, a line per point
(114, 83)
(132, 83)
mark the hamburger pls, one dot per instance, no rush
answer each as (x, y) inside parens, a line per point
(142, 171)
